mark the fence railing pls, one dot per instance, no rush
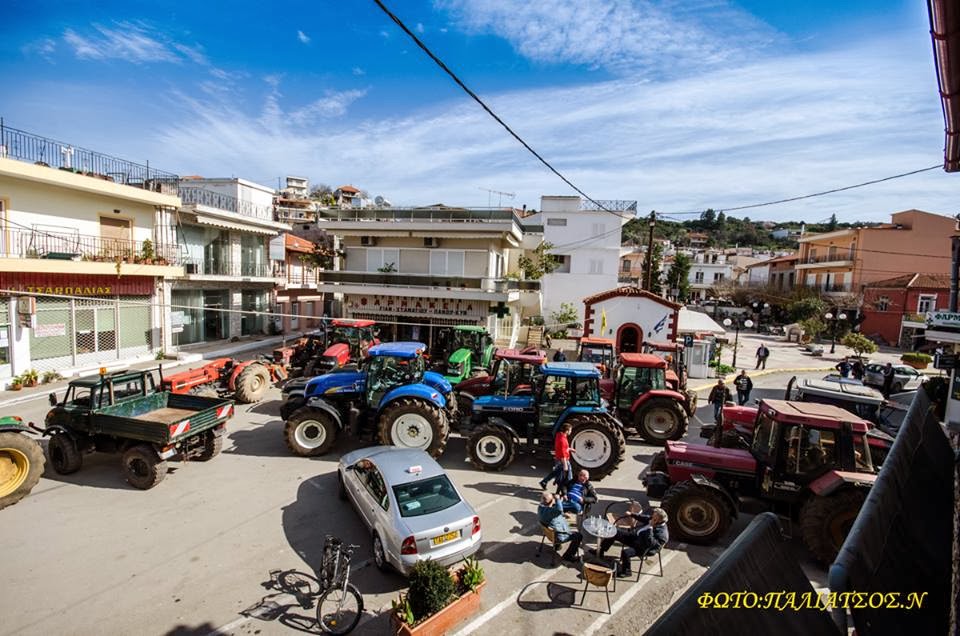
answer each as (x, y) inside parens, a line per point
(228, 268)
(68, 245)
(837, 257)
(199, 196)
(496, 285)
(459, 215)
(24, 146)
(614, 205)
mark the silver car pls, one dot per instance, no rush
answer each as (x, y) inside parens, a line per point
(905, 377)
(411, 507)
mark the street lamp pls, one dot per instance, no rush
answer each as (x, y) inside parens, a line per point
(833, 328)
(759, 308)
(736, 340)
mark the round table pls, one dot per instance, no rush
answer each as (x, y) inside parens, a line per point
(600, 528)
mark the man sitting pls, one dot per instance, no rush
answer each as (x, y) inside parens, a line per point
(649, 533)
(550, 514)
(578, 493)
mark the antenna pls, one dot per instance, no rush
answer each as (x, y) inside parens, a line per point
(490, 192)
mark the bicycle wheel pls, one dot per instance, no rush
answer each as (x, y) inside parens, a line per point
(339, 610)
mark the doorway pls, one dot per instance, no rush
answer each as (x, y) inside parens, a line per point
(628, 338)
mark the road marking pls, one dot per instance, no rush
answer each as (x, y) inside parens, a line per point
(629, 594)
(226, 629)
(499, 607)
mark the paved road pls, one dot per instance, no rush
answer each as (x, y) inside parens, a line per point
(86, 553)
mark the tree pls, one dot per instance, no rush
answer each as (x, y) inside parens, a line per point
(564, 318)
(540, 264)
(679, 277)
(859, 343)
(813, 327)
(805, 308)
(320, 191)
(832, 223)
(656, 257)
(708, 218)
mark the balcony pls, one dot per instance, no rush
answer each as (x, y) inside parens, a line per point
(228, 269)
(430, 215)
(837, 259)
(612, 205)
(295, 215)
(915, 320)
(426, 285)
(192, 195)
(24, 146)
(61, 244)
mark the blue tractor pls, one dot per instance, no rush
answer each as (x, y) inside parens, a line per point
(389, 398)
(564, 392)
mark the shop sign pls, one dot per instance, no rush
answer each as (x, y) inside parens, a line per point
(399, 305)
(177, 319)
(49, 331)
(944, 319)
(77, 285)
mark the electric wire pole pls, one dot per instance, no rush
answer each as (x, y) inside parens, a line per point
(649, 273)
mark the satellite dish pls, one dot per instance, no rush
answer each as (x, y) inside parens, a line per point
(381, 202)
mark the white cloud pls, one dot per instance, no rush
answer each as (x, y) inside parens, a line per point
(627, 36)
(44, 47)
(303, 37)
(332, 104)
(384, 34)
(419, 27)
(356, 70)
(131, 42)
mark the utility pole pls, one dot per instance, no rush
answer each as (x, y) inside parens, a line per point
(649, 274)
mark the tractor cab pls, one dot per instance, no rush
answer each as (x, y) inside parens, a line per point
(573, 386)
(599, 351)
(471, 350)
(673, 354)
(513, 372)
(391, 366)
(644, 399)
(638, 374)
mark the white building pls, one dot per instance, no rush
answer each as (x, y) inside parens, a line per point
(709, 268)
(586, 244)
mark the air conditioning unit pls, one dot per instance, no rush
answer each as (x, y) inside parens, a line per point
(191, 268)
(430, 241)
(368, 240)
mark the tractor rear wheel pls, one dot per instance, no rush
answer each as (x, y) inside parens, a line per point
(491, 448)
(64, 454)
(252, 384)
(414, 423)
(21, 464)
(826, 521)
(142, 468)
(696, 514)
(212, 445)
(310, 432)
(660, 419)
(597, 443)
(453, 410)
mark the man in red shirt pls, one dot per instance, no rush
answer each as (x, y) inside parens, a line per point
(562, 470)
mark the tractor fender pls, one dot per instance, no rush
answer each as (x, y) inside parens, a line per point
(674, 396)
(577, 410)
(502, 424)
(437, 381)
(235, 372)
(15, 428)
(706, 482)
(834, 480)
(418, 391)
(322, 405)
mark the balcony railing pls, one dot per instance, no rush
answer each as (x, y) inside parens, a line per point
(61, 244)
(492, 285)
(838, 257)
(434, 215)
(228, 268)
(199, 196)
(614, 205)
(836, 289)
(295, 214)
(24, 146)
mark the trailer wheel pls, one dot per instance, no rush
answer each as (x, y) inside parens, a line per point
(826, 521)
(252, 384)
(660, 419)
(310, 432)
(212, 445)
(598, 444)
(64, 454)
(491, 448)
(696, 514)
(142, 468)
(414, 423)
(21, 465)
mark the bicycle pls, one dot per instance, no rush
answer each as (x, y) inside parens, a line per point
(340, 604)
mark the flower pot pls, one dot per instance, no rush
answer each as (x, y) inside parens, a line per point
(443, 621)
(16, 386)
(31, 383)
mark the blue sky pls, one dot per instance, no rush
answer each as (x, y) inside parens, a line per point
(678, 105)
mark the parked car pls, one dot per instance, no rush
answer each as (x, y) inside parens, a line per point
(905, 378)
(410, 506)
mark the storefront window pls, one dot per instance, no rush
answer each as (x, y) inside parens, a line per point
(253, 323)
(253, 256)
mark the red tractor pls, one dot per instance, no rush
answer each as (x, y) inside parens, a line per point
(643, 400)
(345, 341)
(246, 382)
(601, 352)
(511, 372)
(813, 465)
(672, 353)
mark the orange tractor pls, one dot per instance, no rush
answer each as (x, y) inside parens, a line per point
(246, 382)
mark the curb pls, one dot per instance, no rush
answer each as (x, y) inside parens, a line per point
(730, 376)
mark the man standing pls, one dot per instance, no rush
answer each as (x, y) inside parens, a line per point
(887, 379)
(550, 515)
(762, 354)
(856, 369)
(844, 368)
(578, 494)
(719, 396)
(744, 385)
(649, 535)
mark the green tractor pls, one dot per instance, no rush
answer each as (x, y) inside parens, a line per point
(21, 461)
(472, 349)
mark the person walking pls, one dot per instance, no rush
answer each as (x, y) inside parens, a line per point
(559, 356)
(719, 396)
(762, 354)
(887, 379)
(562, 471)
(744, 385)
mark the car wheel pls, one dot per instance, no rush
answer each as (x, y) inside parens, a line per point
(379, 556)
(896, 388)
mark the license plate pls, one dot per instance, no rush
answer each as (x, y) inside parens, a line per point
(443, 538)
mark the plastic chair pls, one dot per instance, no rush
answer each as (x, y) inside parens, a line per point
(597, 576)
(549, 534)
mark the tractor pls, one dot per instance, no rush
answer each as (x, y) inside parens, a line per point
(387, 399)
(21, 461)
(563, 392)
(644, 401)
(246, 382)
(599, 351)
(513, 371)
(470, 349)
(673, 354)
(345, 341)
(813, 467)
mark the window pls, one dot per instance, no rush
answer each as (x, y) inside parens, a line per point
(698, 277)
(926, 303)
(372, 480)
(563, 263)
(446, 263)
(717, 276)
(383, 257)
(625, 265)
(425, 497)
(882, 303)
(561, 222)
(294, 317)
(598, 229)
(596, 266)
(812, 257)
(808, 450)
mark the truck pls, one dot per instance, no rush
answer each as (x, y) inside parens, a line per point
(245, 382)
(812, 464)
(645, 403)
(390, 398)
(21, 460)
(125, 412)
(502, 425)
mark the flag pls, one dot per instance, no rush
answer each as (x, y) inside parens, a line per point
(603, 321)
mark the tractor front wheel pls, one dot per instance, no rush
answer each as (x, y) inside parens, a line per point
(597, 444)
(310, 432)
(414, 423)
(660, 419)
(142, 467)
(64, 454)
(491, 448)
(826, 521)
(696, 514)
(252, 384)
(21, 465)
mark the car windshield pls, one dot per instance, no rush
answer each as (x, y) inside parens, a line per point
(419, 498)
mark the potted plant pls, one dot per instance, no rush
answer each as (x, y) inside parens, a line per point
(146, 252)
(16, 383)
(438, 598)
(916, 359)
(30, 377)
(50, 376)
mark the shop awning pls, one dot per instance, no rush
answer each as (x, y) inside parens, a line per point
(230, 225)
(697, 322)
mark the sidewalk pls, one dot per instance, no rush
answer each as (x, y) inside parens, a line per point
(187, 356)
